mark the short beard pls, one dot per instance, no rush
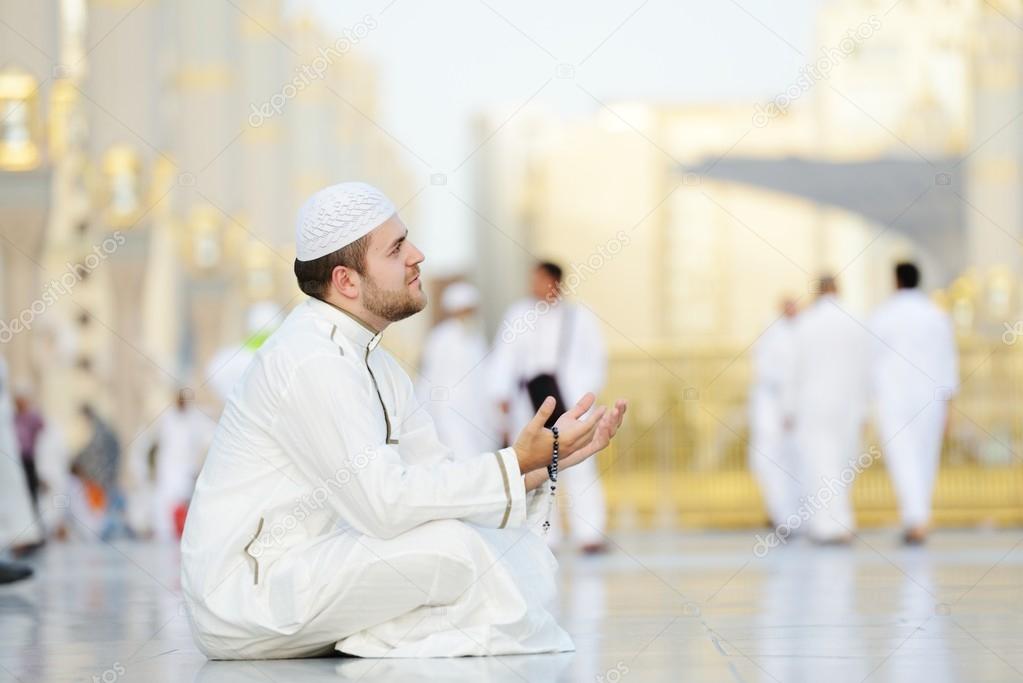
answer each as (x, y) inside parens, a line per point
(389, 304)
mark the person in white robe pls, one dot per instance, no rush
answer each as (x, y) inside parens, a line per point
(229, 363)
(915, 373)
(772, 453)
(19, 526)
(328, 515)
(452, 376)
(829, 405)
(547, 335)
(179, 440)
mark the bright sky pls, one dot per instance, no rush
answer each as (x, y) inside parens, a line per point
(443, 61)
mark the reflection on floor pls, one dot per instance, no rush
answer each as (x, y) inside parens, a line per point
(661, 607)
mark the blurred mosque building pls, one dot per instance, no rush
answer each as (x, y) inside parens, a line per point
(683, 226)
(898, 138)
(152, 156)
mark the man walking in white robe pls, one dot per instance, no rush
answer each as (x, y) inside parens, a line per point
(180, 439)
(452, 377)
(19, 527)
(829, 400)
(915, 372)
(773, 459)
(545, 334)
(328, 515)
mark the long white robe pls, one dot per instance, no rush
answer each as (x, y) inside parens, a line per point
(915, 371)
(53, 460)
(772, 454)
(829, 402)
(452, 387)
(18, 523)
(181, 437)
(322, 520)
(528, 344)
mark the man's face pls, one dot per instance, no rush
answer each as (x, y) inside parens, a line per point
(391, 286)
(544, 286)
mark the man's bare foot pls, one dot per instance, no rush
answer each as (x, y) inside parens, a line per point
(915, 536)
(26, 549)
(598, 548)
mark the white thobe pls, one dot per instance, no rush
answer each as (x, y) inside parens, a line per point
(53, 462)
(772, 454)
(452, 387)
(181, 438)
(529, 342)
(914, 372)
(328, 516)
(18, 523)
(829, 398)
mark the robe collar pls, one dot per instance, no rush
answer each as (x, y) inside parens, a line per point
(351, 326)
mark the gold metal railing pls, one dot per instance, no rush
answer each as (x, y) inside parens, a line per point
(681, 457)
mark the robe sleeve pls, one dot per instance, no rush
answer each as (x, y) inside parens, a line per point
(501, 366)
(587, 361)
(325, 429)
(949, 358)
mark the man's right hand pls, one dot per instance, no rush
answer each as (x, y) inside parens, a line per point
(535, 444)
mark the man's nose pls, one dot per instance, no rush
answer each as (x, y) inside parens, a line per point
(415, 256)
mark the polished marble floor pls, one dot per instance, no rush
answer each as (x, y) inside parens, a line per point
(661, 607)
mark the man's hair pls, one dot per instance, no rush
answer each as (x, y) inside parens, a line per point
(828, 284)
(551, 268)
(314, 276)
(907, 275)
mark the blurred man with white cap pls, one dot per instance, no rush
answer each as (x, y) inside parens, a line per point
(228, 364)
(772, 452)
(915, 373)
(829, 403)
(547, 345)
(180, 438)
(329, 516)
(452, 375)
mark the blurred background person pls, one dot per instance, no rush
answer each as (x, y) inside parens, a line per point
(229, 363)
(772, 454)
(29, 425)
(20, 534)
(176, 446)
(547, 346)
(452, 380)
(915, 372)
(97, 501)
(829, 399)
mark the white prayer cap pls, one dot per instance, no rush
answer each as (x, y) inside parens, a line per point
(459, 296)
(338, 215)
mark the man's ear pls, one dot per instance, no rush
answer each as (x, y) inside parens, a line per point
(345, 281)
